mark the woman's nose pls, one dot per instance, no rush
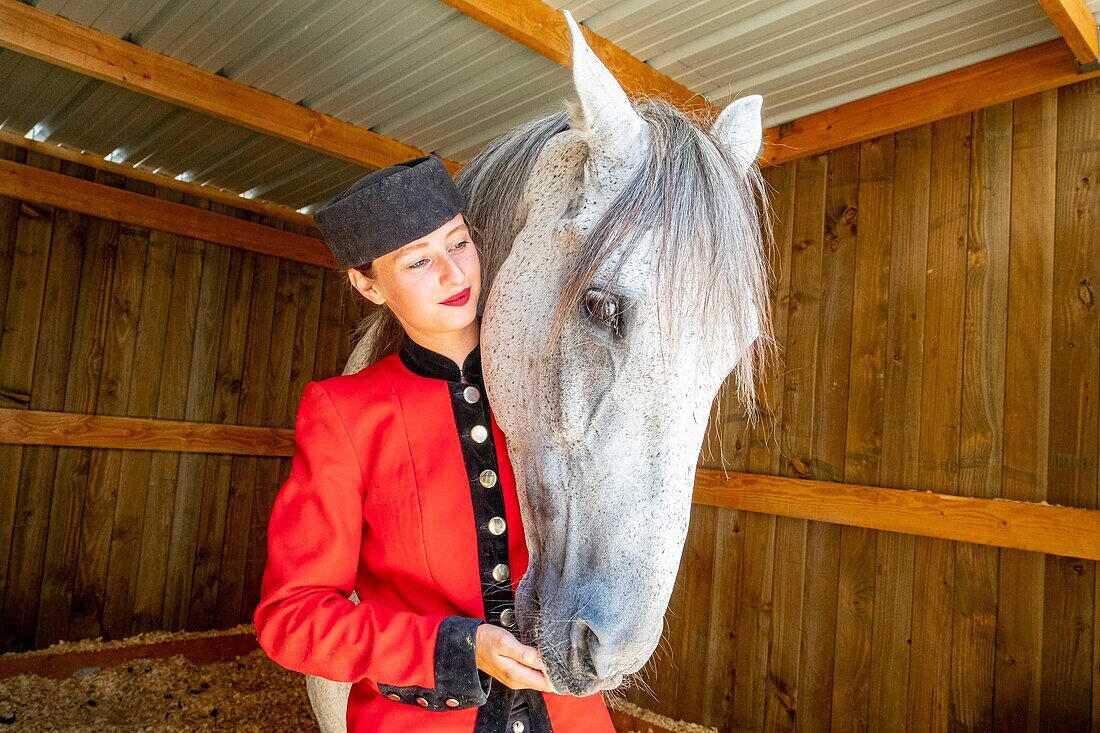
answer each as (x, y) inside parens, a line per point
(453, 272)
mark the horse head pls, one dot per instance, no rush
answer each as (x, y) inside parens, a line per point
(633, 284)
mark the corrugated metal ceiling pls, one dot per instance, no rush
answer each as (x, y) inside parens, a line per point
(423, 73)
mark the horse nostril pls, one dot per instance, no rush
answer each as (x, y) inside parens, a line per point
(584, 646)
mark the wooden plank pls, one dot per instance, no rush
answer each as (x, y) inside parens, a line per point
(834, 333)
(544, 30)
(726, 444)
(242, 482)
(171, 404)
(1069, 604)
(783, 695)
(51, 367)
(864, 430)
(133, 483)
(270, 472)
(20, 338)
(90, 581)
(62, 664)
(758, 566)
(9, 230)
(1077, 25)
(70, 482)
(204, 594)
(696, 575)
(894, 553)
(1017, 677)
(1038, 68)
(43, 427)
(162, 180)
(933, 583)
(190, 476)
(53, 189)
(61, 42)
(974, 620)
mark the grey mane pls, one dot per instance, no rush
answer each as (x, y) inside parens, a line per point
(492, 183)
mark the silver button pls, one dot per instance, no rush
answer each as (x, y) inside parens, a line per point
(451, 702)
(421, 702)
(394, 696)
(479, 433)
(471, 394)
(508, 617)
(496, 525)
(487, 478)
(517, 727)
(500, 572)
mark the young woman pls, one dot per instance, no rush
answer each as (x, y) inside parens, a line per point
(401, 490)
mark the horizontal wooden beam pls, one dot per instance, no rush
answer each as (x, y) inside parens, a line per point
(39, 427)
(61, 664)
(229, 198)
(51, 38)
(1077, 25)
(544, 30)
(1035, 69)
(1054, 530)
(27, 183)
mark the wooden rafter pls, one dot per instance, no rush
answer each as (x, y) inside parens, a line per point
(1077, 25)
(259, 206)
(544, 30)
(61, 42)
(1031, 70)
(34, 185)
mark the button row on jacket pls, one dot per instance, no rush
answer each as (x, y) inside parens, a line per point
(500, 572)
(487, 478)
(423, 702)
(471, 394)
(479, 433)
(496, 525)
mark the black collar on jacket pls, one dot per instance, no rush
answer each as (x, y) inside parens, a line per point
(424, 362)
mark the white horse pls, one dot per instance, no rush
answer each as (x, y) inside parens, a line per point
(623, 252)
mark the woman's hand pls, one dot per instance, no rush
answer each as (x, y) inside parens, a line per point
(504, 657)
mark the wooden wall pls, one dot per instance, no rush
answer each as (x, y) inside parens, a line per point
(114, 319)
(936, 297)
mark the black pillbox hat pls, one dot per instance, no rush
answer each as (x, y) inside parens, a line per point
(388, 208)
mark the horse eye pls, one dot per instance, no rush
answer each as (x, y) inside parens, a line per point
(604, 307)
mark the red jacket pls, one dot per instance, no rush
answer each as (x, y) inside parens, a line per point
(396, 491)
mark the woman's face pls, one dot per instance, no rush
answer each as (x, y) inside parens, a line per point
(415, 280)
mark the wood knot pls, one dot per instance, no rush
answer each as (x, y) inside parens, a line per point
(1084, 293)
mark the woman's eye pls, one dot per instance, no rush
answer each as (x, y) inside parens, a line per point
(604, 308)
(416, 265)
(461, 245)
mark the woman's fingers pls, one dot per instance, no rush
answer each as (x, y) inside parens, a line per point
(503, 656)
(519, 676)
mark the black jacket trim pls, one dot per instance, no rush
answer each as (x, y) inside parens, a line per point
(457, 677)
(424, 362)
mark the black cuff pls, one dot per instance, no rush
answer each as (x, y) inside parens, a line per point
(458, 682)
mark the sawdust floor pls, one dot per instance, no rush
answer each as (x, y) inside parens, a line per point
(249, 693)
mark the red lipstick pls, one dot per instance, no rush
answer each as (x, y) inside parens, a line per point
(457, 300)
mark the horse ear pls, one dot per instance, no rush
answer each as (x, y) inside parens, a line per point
(739, 129)
(614, 127)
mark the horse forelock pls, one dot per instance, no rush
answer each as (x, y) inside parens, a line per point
(710, 230)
